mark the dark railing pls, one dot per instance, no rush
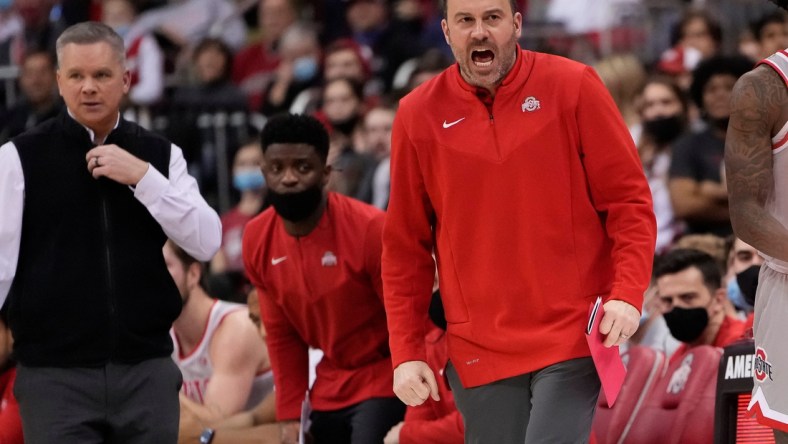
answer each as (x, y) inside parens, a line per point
(8, 76)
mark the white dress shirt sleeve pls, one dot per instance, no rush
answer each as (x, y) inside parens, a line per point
(12, 195)
(180, 209)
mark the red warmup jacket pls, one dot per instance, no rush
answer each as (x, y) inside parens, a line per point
(434, 422)
(10, 421)
(322, 290)
(534, 209)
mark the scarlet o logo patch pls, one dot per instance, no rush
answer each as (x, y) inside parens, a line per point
(761, 366)
(531, 104)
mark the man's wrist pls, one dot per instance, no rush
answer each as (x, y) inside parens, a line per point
(288, 432)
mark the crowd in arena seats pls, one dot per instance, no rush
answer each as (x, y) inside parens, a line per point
(208, 74)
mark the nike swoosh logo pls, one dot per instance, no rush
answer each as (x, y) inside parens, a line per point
(449, 125)
(277, 260)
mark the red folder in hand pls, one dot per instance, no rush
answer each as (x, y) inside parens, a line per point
(607, 360)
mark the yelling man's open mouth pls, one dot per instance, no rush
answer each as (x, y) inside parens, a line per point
(482, 57)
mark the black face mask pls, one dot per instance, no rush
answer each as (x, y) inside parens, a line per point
(687, 324)
(748, 283)
(664, 129)
(345, 126)
(296, 207)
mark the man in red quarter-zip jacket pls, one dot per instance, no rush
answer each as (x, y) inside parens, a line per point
(314, 258)
(517, 169)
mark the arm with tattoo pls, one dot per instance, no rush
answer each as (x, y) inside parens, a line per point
(758, 108)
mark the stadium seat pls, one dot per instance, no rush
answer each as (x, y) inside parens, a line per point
(645, 366)
(680, 406)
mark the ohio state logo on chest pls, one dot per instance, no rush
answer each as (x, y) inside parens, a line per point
(328, 259)
(530, 104)
(761, 366)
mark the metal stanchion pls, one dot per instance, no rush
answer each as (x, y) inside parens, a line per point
(220, 120)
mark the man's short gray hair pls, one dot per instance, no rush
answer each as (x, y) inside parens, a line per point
(86, 33)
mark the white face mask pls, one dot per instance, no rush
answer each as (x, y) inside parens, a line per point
(249, 179)
(736, 297)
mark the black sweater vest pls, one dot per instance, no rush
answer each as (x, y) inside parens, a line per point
(91, 285)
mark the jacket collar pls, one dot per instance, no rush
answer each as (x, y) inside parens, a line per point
(76, 129)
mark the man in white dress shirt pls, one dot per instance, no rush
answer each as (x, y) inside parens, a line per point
(88, 200)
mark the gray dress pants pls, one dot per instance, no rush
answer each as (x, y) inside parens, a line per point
(553, 405)
(114, 403)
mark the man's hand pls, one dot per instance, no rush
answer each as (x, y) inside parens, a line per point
(392, 437)
(289, 431)
(117, 164)
(414, 382)
(621, 320)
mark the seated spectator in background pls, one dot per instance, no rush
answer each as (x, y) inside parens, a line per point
(342, 59)
(653, 331)
(221, 355)
(700, 31)
(697, 37)
(40, 100)
(343, 110)
(697, 189)
(377, 143)
(10, 421)
(314, 259)
(254, 66)
(298, 70)
(663, 115)
(741, 256)
(692, 300)
(212, 89)
(434, 422)
(193, 122)
(376, 132)
(144, 58)
(771, 34)
(248, 179)
(716, 247)
(345, 58)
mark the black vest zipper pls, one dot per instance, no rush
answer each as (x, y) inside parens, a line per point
(112, 294)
